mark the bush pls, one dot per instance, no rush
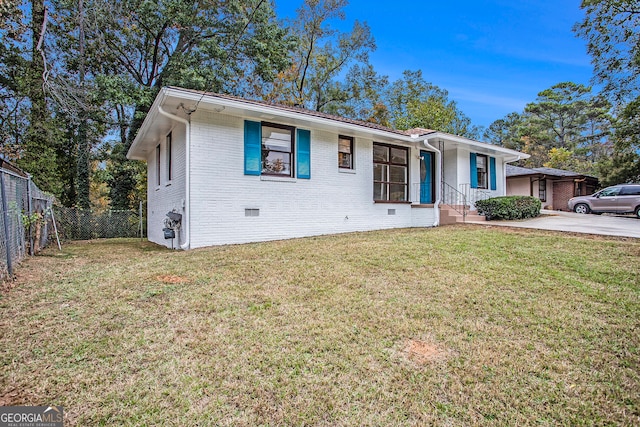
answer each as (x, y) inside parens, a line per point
(509, 207)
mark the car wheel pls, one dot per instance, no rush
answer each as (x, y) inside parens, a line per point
(638, 212)
(581, 208)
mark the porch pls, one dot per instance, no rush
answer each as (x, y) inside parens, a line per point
(456, 205)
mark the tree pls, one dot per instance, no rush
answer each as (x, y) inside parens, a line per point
(624, 165)
(506, 132)
(39, 148)
(610, 28)
(320, 55)
(413, 102)
(13, 82)
(360, 95)
(566, 127)
(561, 111)
(223, 46)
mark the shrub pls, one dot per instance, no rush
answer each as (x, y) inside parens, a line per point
(509, 207)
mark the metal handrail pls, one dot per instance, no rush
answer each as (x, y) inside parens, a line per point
(455, 199)
(474, 194)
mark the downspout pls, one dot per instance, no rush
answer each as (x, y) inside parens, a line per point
(187, 203)
(504, 172)
(438, 180)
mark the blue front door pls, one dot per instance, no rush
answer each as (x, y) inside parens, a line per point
(426, 177)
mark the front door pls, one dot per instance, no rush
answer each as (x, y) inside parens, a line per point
(427, 187)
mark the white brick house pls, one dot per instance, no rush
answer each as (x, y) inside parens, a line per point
(244, 171)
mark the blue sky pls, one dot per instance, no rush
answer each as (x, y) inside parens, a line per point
(492, 56)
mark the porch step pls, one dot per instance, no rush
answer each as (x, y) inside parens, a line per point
(449, 215)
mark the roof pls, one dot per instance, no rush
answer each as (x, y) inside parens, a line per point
(560, 173)
(4, 164)
(182, 101)
(296, 109)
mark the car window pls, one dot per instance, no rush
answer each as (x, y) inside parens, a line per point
(630, 191)
(609, 192)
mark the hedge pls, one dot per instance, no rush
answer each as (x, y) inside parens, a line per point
(509, 207)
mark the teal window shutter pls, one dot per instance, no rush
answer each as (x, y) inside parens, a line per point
(474, 170)
(303, 153)
(492, 173)
(252, 148)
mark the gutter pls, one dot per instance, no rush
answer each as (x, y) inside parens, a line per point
(438, 180)
(187, 202)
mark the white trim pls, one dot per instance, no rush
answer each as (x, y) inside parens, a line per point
(275, 178)
(436, 205)
(187, 203)
(488, 148)
(198, 98)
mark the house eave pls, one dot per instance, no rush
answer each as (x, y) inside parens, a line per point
(184, 101)
(508, 154)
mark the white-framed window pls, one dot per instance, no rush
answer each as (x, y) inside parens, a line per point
(277, 149)
(345, 152)
(482, 166)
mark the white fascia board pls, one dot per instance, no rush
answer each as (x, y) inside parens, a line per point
(506, 152)
(197, 98)
(146, 124)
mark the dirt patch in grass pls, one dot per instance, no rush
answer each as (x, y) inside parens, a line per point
(171, 278)
(422, 353)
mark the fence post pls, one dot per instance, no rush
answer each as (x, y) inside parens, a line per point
(30, 212)
(5, 216)
(55, 227)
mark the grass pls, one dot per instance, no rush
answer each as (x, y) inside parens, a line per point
(470, 325)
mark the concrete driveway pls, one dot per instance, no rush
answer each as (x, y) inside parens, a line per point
(607, 225)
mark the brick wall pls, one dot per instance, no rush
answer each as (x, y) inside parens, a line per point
(332, 201)
(562, 192)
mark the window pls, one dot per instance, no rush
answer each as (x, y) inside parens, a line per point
(277, 150)
(169, 158)
(482, 168)
(345, 152)
(609, 192)
(390, 173)
(542, 190)
(631, 190)
(158, 165)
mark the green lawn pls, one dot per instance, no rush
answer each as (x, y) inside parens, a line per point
(448, 326)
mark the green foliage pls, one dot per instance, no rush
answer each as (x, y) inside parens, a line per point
(122, 179)
(610, 28)
(506, 131)
(509, 207)
(621, 167)
(320, 55)
(132, 48)
(567, 127)
(416, 103)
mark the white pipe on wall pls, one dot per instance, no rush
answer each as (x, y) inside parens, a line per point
(438, 180)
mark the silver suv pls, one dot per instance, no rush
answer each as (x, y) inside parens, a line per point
(622, 198)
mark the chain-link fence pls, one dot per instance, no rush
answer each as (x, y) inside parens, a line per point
(84, 224)
(26, 217)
